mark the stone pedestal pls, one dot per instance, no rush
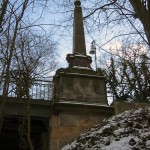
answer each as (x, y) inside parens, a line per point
(78, 61)
(69, 120)
(79, 85)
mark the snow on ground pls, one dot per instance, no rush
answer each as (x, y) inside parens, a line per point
(127, 131)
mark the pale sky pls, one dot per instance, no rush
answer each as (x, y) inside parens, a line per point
(64, 35)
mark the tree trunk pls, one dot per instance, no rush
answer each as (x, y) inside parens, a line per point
(143, 13)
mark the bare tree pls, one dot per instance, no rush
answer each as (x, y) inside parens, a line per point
(3, 9)
(9, 52)
(14, 26)
(21, 50)
(108, 21)
(128, 75)
(34, 57)
(124, 18)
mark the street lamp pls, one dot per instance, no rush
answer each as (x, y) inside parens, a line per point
(93, 52)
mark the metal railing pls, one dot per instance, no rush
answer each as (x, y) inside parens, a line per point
(41, 89)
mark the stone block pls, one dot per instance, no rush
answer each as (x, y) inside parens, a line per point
(54, 134)
(80, 88)
(123, 106)
(54, 121)
(54, 145)
(67, 120)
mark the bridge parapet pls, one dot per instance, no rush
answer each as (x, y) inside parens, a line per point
(39, 89)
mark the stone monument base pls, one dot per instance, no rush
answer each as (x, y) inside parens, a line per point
(80, 85)
(70, 119)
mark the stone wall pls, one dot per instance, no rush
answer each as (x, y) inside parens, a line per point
(123, 106)
(69, 120)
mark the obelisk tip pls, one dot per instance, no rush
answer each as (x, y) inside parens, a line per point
(77, 3)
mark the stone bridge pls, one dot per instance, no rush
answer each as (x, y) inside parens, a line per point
(53, 124)
(59, 113)
(40, 109)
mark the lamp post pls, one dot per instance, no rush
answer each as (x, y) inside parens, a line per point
(93, 52)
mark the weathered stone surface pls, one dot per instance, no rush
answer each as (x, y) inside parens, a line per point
(70, 121)
(78, 31)
(79, 60)
(123, 106)
(65, 134)
(54, 145)
(80, 88)
(54, 121)
(67, 120)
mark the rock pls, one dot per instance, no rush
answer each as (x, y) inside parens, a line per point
(136, 148)
(132, 142)
(138, 126)
(117, 139)
(107, 131)
(148, 144)
(124, 125)
(107, 143)
(130, 124)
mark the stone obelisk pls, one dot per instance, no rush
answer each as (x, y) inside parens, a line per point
(79, 82)
(78, 59)
(79, 92)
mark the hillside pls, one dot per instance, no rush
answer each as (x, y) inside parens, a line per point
(129, 130)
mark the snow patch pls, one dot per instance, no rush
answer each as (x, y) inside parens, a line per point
(126, 131)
